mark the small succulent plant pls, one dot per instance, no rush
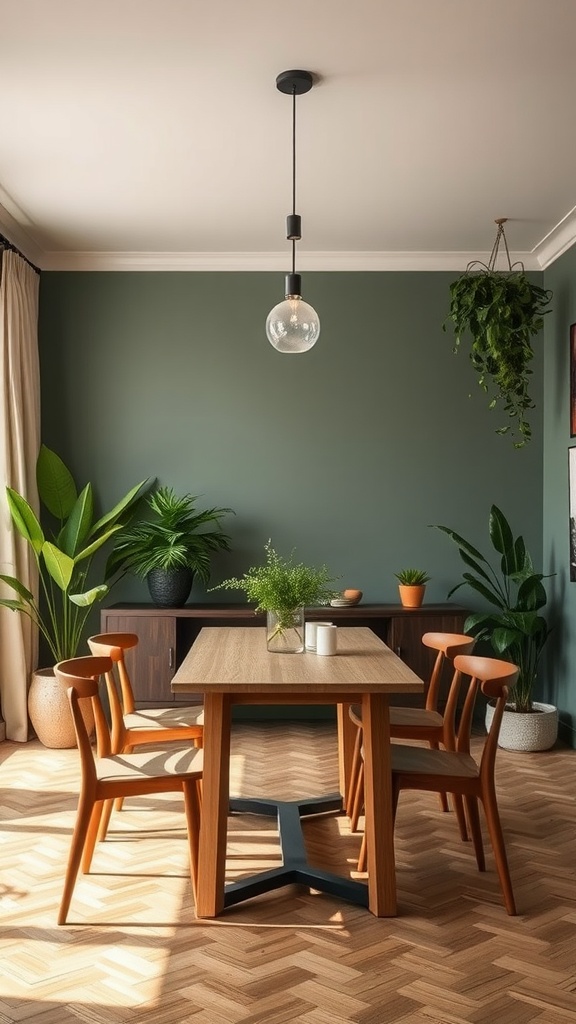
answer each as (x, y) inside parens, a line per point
(412, 577)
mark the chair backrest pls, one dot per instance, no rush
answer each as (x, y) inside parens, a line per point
(448, 645)
(81, 677)
(495, 677)
(113, 645)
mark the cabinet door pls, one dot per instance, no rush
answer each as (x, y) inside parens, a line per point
(405, 639)
(152, 663)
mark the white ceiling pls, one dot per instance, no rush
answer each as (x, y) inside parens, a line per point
(150, 134)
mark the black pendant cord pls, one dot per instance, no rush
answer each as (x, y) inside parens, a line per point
(293, 174)
(293, 151)
(6, 244)
(293, 83)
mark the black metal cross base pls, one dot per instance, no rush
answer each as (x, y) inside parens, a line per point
(295, 867)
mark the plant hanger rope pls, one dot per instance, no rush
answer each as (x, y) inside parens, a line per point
(501, 237)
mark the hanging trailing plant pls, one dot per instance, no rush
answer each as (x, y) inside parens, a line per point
(502, 311)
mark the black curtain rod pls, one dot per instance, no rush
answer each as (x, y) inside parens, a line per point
(6, 244)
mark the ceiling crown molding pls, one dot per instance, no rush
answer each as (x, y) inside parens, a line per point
(18, 236)
(557, 241)
(251, 262)
(561, 238)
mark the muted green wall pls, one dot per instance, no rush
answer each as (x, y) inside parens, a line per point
(346, 453)
(561, 277)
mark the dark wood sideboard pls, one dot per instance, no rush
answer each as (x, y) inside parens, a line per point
(166, 635)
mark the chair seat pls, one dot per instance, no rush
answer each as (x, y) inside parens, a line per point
(181, 762)
(423, 761)
(165, 718)
(415, 718)
(401, 717)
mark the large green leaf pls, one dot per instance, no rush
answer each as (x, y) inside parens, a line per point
(25, 520)
(123, 506)
(59, 565)
(503, 639)
(500, 532)
(80, 520)
(478, 569)
(481, 589)
(15, 606)
(531, 594)
(56, 485)
(88, 551)
(486, 620)
(463, 544)
(87, 599)
(18, 587)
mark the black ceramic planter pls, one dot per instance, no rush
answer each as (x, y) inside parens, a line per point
(170, 588)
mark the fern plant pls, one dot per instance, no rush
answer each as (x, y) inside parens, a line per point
(172, 538)
(282, 585)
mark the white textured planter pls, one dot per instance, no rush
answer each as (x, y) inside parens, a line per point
(536, 730)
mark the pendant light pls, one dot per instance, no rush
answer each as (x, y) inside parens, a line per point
(293, 325)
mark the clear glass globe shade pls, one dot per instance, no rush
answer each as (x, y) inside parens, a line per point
(292, 326)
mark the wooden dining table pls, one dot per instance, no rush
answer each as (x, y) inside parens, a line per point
(232, 666)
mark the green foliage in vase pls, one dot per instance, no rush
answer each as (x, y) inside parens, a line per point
(513, 627)
(281, 585)
(502, 312)
(174, 537)
(64, 559)
(412, 577)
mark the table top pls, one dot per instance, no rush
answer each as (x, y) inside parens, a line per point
(228, 659)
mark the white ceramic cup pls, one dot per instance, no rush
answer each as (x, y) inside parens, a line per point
(326, 639)
(310, 629)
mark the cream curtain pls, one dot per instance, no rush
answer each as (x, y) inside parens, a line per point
(19, 445)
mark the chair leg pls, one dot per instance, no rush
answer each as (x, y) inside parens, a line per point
(460, 816)
(358, 804)
(476, 830)
(434, 745)
(363, 855)
(354, 771)
(192, 810)
(83, 817)
(106, 812)
(119, 801)
(497, 840)
(93, 834)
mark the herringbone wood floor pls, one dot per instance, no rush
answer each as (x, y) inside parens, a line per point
(136, 953)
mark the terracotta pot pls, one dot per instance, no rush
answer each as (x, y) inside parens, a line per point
(50, 713)
(411, 597)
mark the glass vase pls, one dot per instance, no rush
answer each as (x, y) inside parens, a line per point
(285, 631)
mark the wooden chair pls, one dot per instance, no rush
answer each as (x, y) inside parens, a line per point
(106, 775)
(456, 771)
(426, 723)
(131, 727)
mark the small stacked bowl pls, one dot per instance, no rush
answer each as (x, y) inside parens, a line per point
(346, 598)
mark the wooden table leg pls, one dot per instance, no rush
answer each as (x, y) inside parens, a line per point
(378, 805)
(346, 738)
(215, 801)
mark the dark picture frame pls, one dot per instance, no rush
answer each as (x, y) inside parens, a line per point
(573, 380)
(572, 512)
